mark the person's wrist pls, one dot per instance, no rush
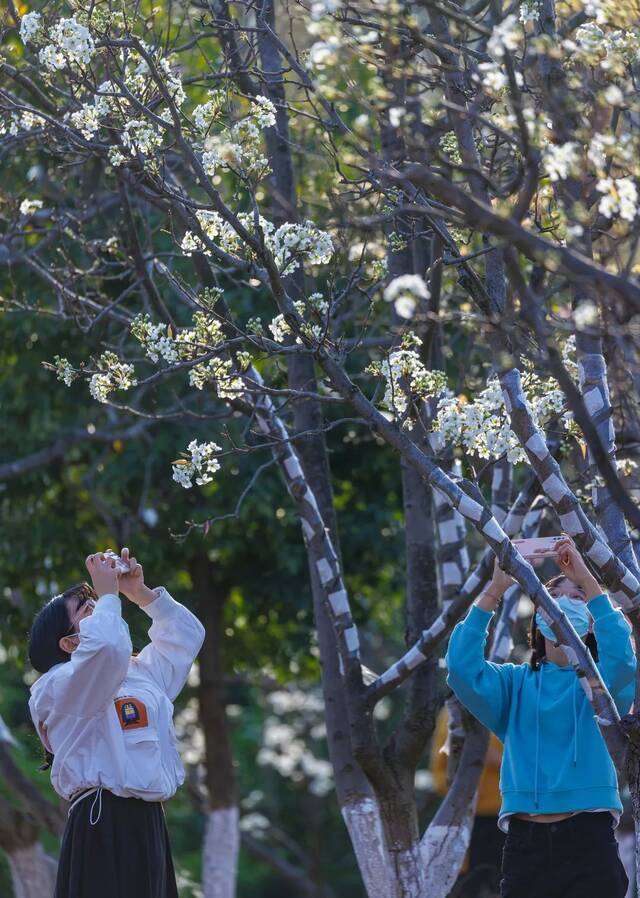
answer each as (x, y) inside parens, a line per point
(142, 596)
(590, 586)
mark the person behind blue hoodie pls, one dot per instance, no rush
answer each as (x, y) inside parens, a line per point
(560, 799)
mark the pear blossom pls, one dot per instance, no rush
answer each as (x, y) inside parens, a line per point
(202, 464)
(561, 160)
(620, 195)
(30, 27)
(30, 207)
(71, 43)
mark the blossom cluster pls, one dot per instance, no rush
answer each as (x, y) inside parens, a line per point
(70, 44)
(405, 292)
(158, 341)
(113, 375)
(619, 195)
(239, 147)
(295, 722)
(64, 370)
(482, 425)
(289, 243)
(406, 378)
(201, 463)
(313, 310)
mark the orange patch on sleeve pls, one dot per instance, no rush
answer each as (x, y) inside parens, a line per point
(132, 713)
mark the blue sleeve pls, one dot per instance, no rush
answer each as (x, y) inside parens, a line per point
(617, 661)
(482, 687)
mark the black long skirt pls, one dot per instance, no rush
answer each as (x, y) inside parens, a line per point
(125, 854)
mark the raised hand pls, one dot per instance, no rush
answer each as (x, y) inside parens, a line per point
(103, 573)
(132, 583)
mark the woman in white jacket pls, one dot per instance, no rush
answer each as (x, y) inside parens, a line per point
(105, 718)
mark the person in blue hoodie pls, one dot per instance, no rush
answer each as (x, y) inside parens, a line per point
(560, 799)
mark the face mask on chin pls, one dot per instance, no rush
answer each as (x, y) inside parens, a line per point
(575, 610)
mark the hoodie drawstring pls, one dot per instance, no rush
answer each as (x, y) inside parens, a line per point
(98, 798)
(575, 728)
(535, 787)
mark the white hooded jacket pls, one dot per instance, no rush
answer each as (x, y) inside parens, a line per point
(107, 716)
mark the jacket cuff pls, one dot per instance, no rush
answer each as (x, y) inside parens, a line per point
(600, 605)
(161, 606)
(477, 619)
(109, 603)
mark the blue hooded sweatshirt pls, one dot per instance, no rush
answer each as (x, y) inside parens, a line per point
(555, 759)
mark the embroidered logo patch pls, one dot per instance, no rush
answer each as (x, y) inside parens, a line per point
(132, 713)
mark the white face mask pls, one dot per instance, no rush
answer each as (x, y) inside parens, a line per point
(575, 610)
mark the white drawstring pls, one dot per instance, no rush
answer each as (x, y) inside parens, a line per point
(98, 798)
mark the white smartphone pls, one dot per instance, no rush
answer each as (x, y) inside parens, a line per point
(121, 566)
(538, 547)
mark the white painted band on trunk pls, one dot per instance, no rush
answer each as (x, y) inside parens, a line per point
(448, 532)
(494, 531)
(571, 522)
(537, 445)
(307, 529)
(220, 853)
(554, 488)
(451, 574)
(324, 571)
(469, 508)
(352, 641)
(593, 400)
(413, 657)
(339, 601)
(292, 467)
(599, 553)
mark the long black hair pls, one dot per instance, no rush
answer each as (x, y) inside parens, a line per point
(50, 624)
(536, 638)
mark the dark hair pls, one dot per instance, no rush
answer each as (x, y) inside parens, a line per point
(50, 624)
(536, 639)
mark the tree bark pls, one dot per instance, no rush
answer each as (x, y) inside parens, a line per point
(222, 835)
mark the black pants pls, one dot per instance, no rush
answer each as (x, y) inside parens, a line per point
(485, 852)
(126, 854)
(575, 858)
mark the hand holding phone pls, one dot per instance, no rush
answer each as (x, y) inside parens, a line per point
(538, 548)
(122, 567)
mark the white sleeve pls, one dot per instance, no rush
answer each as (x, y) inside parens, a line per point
(86, 683)
(176, 638)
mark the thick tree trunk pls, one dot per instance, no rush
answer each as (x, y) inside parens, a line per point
(222, 836)
(33, 871)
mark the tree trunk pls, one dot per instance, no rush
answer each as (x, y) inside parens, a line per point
(222, 836)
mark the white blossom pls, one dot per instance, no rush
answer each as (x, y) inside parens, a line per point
(71, 43)
(505, 36)
(323, 53)
(293, 240)
(64, 370)
(263, 112)
(30, 207)
(114, 375)
(322, 8)
(529, 11)
(620, 195)
(30, 27)
(139, 136)
(561, 160)
(202, 463)
(404, 292)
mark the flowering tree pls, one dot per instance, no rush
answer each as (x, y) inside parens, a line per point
(415, 219)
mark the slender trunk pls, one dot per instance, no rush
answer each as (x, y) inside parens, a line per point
(352, 787)
(222, 836)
